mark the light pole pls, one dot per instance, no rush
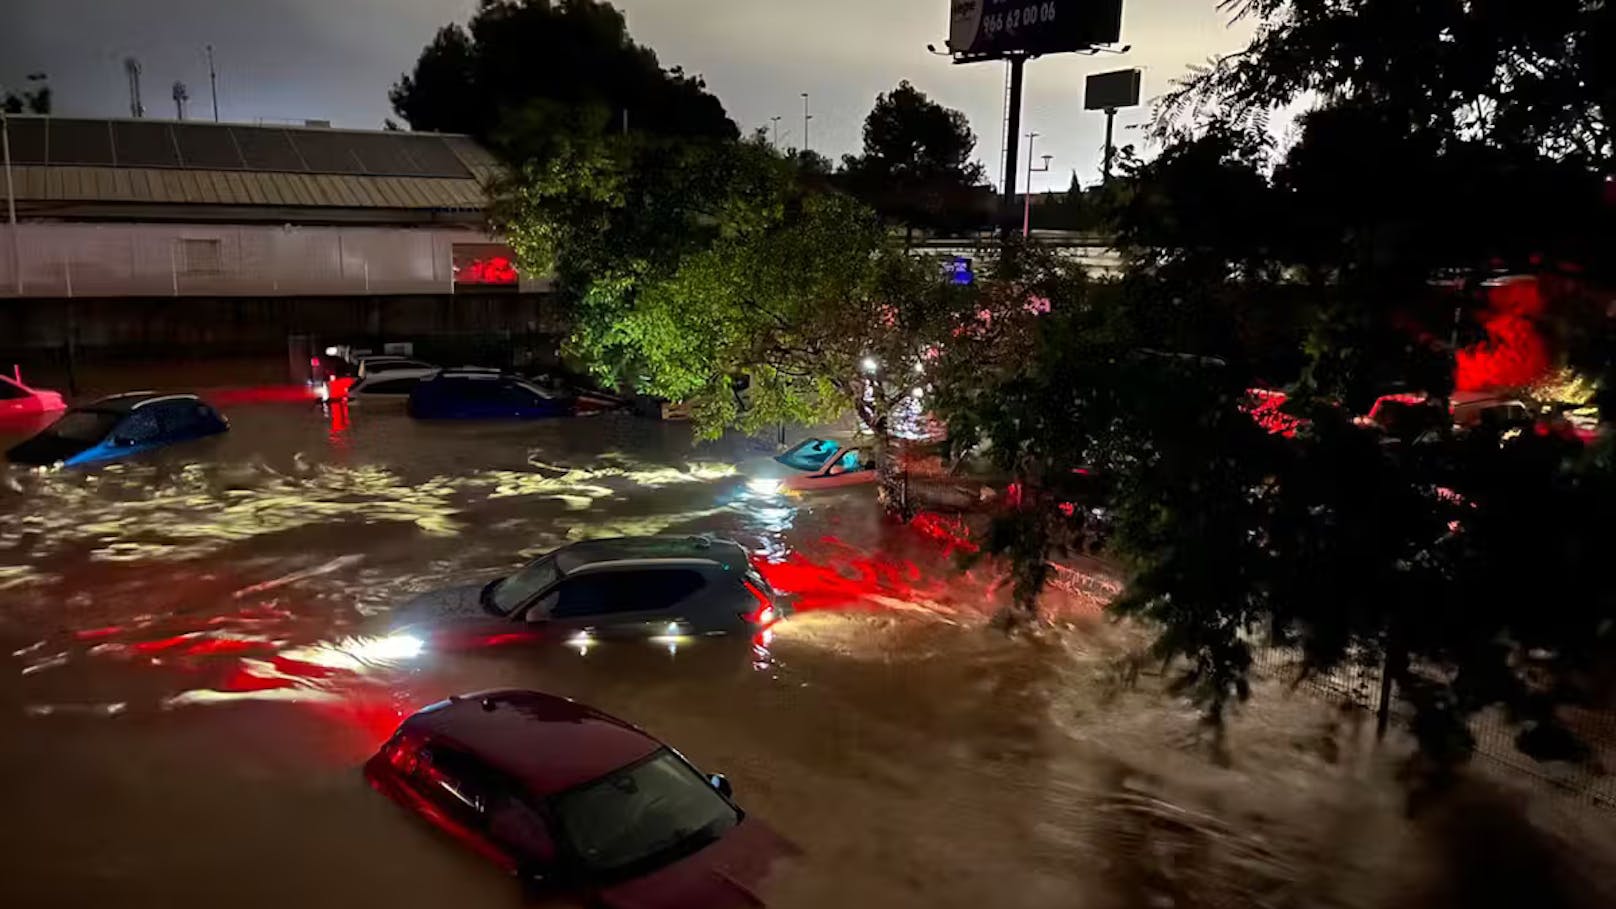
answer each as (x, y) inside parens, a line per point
(11, 200)
(213, 83)
(776, 122)
(1026, 192)
(805, 118)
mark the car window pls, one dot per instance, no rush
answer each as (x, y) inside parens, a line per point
(809, 455)
(140, 426)
(390, 386)
(611, 592)
(10, 392)
(515, 590)
(851, 460)
(643, 815)
(457, 782)
(84, 425)
(519, 827)
(179, 416)
(517, 395)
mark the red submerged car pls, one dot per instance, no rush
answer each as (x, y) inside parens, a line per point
(577, 803)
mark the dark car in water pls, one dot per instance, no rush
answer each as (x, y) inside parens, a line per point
(664, 588)
(576, 803)
(474, 394)
(119, 426)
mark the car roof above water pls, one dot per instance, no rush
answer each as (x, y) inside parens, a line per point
(130, 401)
(546, 743)
(593, 553)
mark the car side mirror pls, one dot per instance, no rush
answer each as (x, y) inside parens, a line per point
(721, 783)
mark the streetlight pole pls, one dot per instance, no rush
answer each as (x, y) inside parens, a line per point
(805, 118)
(1026, 192)
(213, 83)
(776, 122)
(11, 201)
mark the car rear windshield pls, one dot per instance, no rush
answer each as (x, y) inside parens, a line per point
(84, 425)
(521, 586)
(809, 455)
(643, 816)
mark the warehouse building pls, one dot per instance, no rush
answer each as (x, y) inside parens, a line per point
(146, 235)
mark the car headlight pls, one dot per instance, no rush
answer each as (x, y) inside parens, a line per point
(763, 486)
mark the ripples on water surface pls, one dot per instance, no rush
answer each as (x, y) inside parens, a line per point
(196, 668)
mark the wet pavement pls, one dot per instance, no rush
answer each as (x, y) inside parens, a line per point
(194, 665)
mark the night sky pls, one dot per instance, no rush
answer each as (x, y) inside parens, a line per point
(335, 59)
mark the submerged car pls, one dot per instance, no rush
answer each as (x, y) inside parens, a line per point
(576, 803)
(661, 588)
(476, 394)
(18, 400)
(119, 426)
(813, 464)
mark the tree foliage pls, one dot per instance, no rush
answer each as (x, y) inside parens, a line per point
(32, 101)
(524, 70)
(703, 271)
(1461, 563)
(916, 166)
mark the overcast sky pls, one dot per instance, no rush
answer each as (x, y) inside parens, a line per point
(334, 60)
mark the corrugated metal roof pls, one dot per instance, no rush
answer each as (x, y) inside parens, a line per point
(36, 183)
(96, 162)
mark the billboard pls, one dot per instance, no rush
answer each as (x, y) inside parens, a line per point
(1109, 91)
(991, 29)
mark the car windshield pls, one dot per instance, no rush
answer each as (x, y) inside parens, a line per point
(809, 455)
(648, 813)
(84, 425)
(521, 586)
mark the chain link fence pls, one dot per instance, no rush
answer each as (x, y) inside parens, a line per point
(1357, 683)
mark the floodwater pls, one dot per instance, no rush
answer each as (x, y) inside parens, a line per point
(191, 677)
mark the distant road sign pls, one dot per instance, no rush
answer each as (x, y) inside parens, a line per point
(992, 29)
(1109, 91)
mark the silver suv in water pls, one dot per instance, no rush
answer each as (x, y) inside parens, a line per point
(632, 587)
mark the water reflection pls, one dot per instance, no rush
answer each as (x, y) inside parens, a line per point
(192, 650)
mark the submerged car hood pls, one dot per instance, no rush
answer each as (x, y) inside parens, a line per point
(46, 449)
(460, 602)
(725, 875)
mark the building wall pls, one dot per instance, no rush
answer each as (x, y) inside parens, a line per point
(222, 260)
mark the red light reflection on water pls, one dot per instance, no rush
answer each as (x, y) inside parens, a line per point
(262, 394)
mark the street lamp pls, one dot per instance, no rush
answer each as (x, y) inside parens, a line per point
(805, 118)
(1026, 192)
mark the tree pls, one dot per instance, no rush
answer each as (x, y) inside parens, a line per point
(1405, 192)
(916, 166)
(37, 101)
(526, 68)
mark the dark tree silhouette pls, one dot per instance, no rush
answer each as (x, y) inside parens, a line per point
(916, 166)
(524, 69)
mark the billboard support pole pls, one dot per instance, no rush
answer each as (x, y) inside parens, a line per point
(1110, 146)
(1012, 149)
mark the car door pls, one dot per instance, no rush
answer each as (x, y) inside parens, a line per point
(456, 791)
(16, 400)
(628, 603)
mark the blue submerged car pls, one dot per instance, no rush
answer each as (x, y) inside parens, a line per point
(117, 427)
(478, 394)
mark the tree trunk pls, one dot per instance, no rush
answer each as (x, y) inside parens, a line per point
(892, 481)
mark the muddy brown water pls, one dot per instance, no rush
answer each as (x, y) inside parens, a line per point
(191, 679)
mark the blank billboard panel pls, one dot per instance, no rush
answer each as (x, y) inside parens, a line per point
(1109, 91)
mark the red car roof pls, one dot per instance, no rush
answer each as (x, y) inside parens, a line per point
(546, 743)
